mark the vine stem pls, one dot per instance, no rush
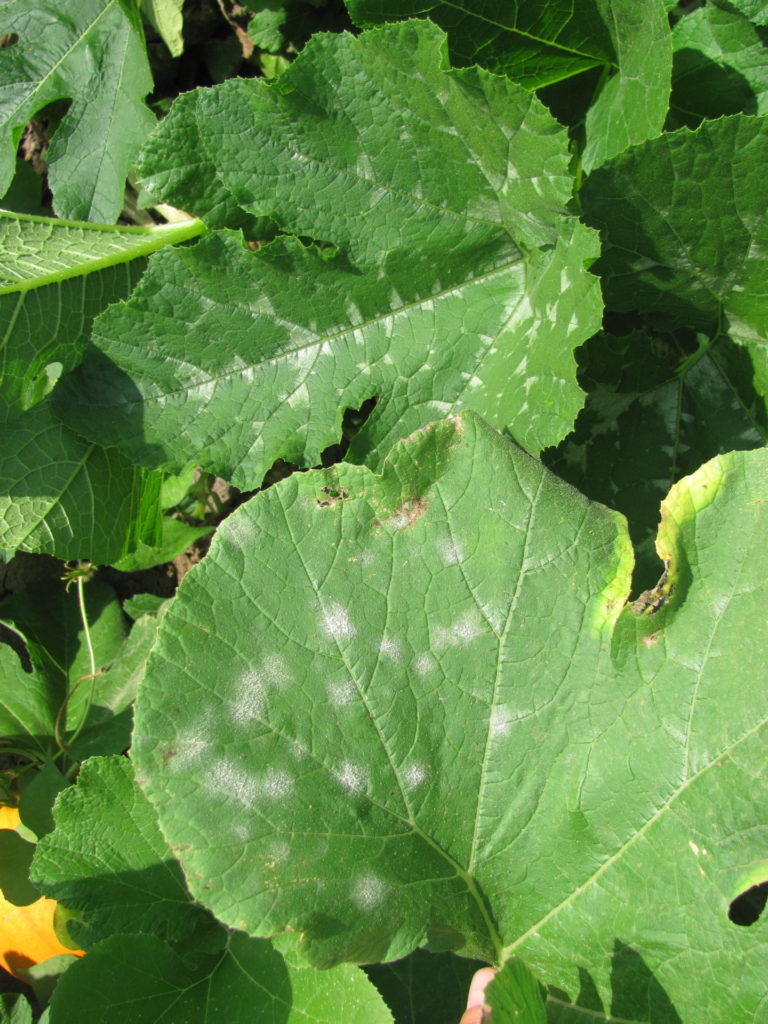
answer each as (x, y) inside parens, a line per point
(64, 745)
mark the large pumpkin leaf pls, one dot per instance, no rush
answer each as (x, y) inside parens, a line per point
(458, 280)
(153, 953)
(90, 52)
(404, 709)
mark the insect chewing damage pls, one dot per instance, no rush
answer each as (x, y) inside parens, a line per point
(333, 496)
(650, 601)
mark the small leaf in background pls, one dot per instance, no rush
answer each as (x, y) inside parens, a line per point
(15, 1009)
(64, 496)
(175, 538)
(91, 52)
(380, 703)
(37, 798)
(48, 620)
(264, 26)
(515, 996)
(719, 67)
(167, 20)
(425, 986)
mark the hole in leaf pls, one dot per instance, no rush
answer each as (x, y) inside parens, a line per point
(8, 39)
(351, 425)
(749, 905)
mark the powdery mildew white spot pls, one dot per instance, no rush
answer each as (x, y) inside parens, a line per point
(461, 632)
(187, 752)
(500, 723)
(250, 698)
(451, 553)
(353, 777)
(390, 648)
(228, 779)
(368, 892)
(414, 775)
(337, 623)
(275, 783)
(273, 671)
(342, 694)
(424, 664)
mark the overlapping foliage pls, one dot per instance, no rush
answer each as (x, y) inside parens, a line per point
(485, 691)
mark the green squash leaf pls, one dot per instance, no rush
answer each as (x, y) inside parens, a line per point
(125, 879)
(533, 43)
(393, 710)
(655, 413)
(455, 280)
(14, 1009)
(632, 103)
(142, 979)
(153, 953)
(696, 255)
(90, 52)
(63, 496)
(167, 20)
(51, 661)
(425, 986)
(719, 67)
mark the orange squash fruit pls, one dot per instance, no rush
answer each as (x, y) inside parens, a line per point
(27, 936)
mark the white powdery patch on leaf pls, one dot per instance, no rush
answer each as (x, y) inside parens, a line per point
(390, 648)
(250, 701)
(275, 783)
(450, 552)
(186, 752)
(500, 723)
(463, 631)
(336, 622)
(414, 775)
(424, 664)
(342, 694)
(353, 777)
(368, 891)
(228, 779)
(273, 671)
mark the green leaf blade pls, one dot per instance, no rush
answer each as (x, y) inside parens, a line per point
(534, 44)
(88, 51)
(399, 755)
(688, 254)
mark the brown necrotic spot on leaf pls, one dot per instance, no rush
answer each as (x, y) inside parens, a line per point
(405, 515)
